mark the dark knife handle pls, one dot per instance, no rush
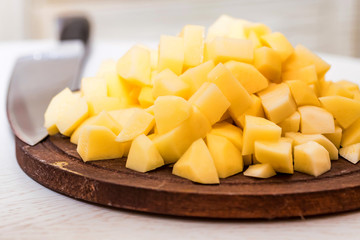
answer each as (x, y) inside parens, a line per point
(74, 28)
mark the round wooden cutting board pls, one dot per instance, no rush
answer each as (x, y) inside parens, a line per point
(55, 164)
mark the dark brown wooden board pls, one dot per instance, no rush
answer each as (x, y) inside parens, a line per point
(55, 164)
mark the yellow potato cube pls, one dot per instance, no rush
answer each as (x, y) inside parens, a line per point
(196, 76)
(135, 66)
(268, 62)
(210, 101)
(99, 104)
(171, 54)
(93, 87)
(173, 144)
(351, 153)
(348, 85)
(337, 89)
(346, 111)
(316, 120)
(311, 158)
(300, 138)
(251, 79)
(227, 158)
(236, 94)
(168, 83)
(277, 154)
(170, 112)
(303, 57)
(259, 28)
(258, 129)
(193, 36)
(98, 143)
(197, 164)
(255, 39)
(335, 137)
(263, 170)
(277, 102)
(290, 124)
(226, 26)
(146, 98)
(103, 119)
(121, 116)
(140, 122)
(306, 74)
(351, 135)
(256, 110)
(143, 155)
(302, 93)
(231, 132)
(279, 43)
(223, 49)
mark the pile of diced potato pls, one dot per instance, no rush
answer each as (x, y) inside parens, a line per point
(240, 98)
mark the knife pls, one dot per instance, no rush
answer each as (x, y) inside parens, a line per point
(38, 77)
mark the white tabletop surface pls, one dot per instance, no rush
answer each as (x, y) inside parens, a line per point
(30, 211)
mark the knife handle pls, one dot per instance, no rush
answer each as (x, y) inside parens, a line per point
(74, 28)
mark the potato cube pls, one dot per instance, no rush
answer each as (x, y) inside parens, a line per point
(170, 112)
(210, 101)
(146, 98)
(268, 62)
(171, 54)
(259, 28)
(302, 93)
(306, 74)
(256, 110)
(193, 36)
(226, 26)
(290, 124)
(99, 104)
(351, 153)
(258, 129)
(231, 132)
(277, 102)
(135, 66)
(337, 89)
(346, 111)
(121, 116)
(277, 154)
(143, 155)
(351, 135)
(251, 79)
(311, 158)
(168, 83)
(255, 39)
(263, 170)
(316, 120)
(227, 158)
(279, 43)
(197, 164)
(335, 137)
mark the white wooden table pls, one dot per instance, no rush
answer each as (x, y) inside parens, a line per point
(30, 211)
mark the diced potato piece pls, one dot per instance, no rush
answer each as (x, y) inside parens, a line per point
(170, 112)
(173, 144)
(231, 132)
(259, 28)
(193, 36)
(277, 154)
(302, 93)
(277, 102)
(291, 124)
(258, 129)
(279, 43)
(303, 57)
(337, 89)
(196, 76)
(93, 87)
(300, 138)
(168, 83)
(140, 122)
(251, 79)
(256, 110)
(335, 137)
(255, 39)
(306, 74)
(210, 101)
(143, 155)
(351, 135)
(121, 116)
(226, 26)
(351, 153)
(311, 158)
(349, 85)
(103, 119)
(223, 49)
(146, 98)
(316, 120)
(135, 66)
(260, 171)
(197, 164)
(106, 66)
(98, 143)
(171, 54)
(268, 62)
(227, 158)
(98, 104)
(233, 90)
(346, 111)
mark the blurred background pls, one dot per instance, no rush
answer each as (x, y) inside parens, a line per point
(331, 26)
